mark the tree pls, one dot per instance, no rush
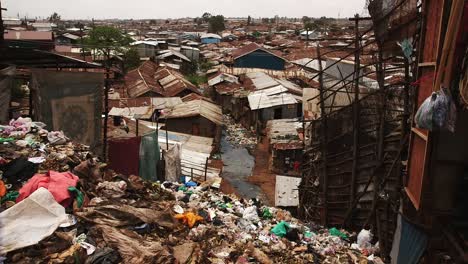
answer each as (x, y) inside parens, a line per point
(131, 59)
(54, 18)
(309, 26)
(306, 19)
(107, 40)
(216, 24)
(206, 17)
(249, 20)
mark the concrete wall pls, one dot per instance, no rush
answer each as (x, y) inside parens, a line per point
(260, 59)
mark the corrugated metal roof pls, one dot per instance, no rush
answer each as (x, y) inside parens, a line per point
(310, 63)
(165, 102)
(251, 48)
(271, 91)
(210, 35)
(262, 100)
(143, 112)
(222, 77)
(199, 107)
(283, 134)
(71, 36)
(171, 52)
(148, 78)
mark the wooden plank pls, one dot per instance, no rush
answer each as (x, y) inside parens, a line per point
(427, 64)
(419, 132)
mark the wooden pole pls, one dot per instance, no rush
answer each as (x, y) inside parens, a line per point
(324, 140)
(106, 113)
(356, 110)
(206, 168)
(137, 127)
(2, 28)
(167, 136)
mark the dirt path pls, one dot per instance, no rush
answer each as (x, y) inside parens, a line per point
(261, 175)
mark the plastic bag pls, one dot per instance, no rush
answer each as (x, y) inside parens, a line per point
(437, 112)
(250, 213)
(424, 114)
(335, 232)
(281, 229)
(363, 239)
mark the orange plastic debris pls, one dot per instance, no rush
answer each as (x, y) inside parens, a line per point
(189, 218)
(3, 189)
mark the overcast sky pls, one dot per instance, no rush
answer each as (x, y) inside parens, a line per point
(87, 9)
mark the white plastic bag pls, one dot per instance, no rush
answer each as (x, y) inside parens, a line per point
(364, 239)
(30, 221)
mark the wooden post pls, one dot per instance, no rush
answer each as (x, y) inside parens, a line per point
(2, 28)
(167, 137)
(206, 168)
(106, 111)
(137, 125)
(356, 110)
(324, 140)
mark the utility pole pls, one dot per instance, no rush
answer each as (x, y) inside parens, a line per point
(81, 40)
(2, 28)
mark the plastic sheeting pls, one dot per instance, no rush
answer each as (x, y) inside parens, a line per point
(409, 243)
(30, 221)
(124, 155)
(6, 81)
(149, 157)
(70, 102)
(173, 163)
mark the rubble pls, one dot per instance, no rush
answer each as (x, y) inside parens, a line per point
(128, 220)
(238, 135)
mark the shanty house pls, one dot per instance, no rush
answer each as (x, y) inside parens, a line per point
(191, 53)
(149, 80)
(210, 38)
(273, 99)
(172, 56)
(30, 39)
(308, 34)
(255, 56)
(67, 39)
(198, 117)
(146, 49)
(286, 145)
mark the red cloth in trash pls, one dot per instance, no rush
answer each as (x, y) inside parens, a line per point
(124, 155)
(56, 182)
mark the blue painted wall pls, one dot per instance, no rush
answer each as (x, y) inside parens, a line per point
(210, 40)
(260, 59)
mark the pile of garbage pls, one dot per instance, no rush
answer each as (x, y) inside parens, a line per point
(238, 135)
(89, 214)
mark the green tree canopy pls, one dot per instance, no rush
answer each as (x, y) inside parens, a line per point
(306, 19)
(54, 18)
(216, 24)
(206, 17)
(131, 59)
(107, 40)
